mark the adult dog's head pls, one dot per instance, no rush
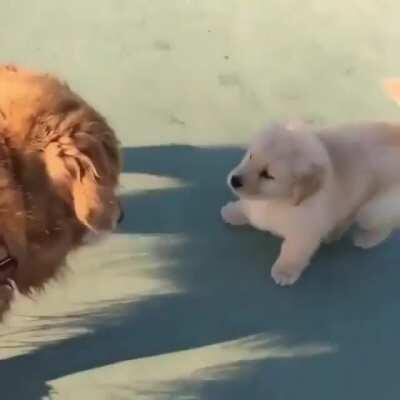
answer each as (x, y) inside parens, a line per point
(285, 162)
(59, 170)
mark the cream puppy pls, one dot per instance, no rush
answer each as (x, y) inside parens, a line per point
(308, 186)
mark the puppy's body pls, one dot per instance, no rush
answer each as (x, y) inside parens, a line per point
(63, 164)
(344, 174)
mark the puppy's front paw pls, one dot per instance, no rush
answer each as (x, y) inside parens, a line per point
(284, 275)
(232, 214)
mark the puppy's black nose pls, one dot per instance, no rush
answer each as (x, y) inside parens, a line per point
(236, 181)
(121, 216)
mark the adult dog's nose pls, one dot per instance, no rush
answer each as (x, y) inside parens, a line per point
(236, 181)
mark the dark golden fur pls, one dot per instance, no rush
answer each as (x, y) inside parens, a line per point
(59, 168)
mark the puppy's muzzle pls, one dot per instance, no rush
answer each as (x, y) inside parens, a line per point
(236, 181)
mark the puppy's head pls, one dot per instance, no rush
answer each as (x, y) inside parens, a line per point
(283, 163)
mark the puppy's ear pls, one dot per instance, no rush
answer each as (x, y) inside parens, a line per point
(307, 183)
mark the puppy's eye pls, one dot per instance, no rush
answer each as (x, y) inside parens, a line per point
(266, 175)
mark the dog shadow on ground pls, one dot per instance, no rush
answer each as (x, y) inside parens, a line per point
(347, 303)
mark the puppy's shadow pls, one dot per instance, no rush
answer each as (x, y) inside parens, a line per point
(346, 302)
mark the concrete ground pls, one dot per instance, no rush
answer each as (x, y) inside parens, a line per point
(176, 305)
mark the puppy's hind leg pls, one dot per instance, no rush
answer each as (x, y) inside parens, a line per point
(232, 213)
(377, 219)
(366, 239)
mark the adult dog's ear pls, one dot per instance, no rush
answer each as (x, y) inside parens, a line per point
(84, 168)
(307, 182)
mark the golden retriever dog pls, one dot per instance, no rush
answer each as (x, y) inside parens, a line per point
(310, 185)
(59, 170)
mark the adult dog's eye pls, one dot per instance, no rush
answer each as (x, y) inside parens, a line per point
(265, 174)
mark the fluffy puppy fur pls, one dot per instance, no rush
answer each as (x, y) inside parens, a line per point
(59, 169)
(309, 186)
